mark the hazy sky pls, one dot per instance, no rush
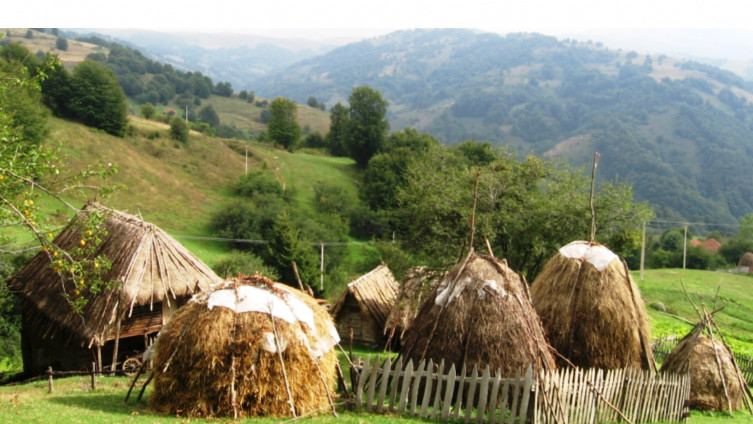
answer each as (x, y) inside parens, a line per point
(355, 17)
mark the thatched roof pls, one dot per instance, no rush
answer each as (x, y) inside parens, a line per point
(375, 291)
(148, 267)
(479, 315)
(232, 351)
(592, 310)
(420, 282)
(711, 366)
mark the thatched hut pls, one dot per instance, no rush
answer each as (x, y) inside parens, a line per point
(480, 314)
(151, 275)
(712, 370)
(419, 283)
(237, 349)
(592, 310)
(746, 263)
(364, 305)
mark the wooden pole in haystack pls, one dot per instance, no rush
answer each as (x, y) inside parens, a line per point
(282, 363)
(593, 185)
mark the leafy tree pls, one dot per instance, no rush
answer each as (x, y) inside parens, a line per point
(223, 89)
(338, 122)
(283, 128)
(367, 127)
(314, 141)
(179, 129)
(61, 44)
(22, 108)
(97, 99)
(207, 114)
(147, 110)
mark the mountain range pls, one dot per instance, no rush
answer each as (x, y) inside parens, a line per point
(680, 131)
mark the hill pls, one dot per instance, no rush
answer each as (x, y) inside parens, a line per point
(680, 132)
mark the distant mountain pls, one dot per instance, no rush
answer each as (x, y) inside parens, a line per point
(235, 58)
(680, 131)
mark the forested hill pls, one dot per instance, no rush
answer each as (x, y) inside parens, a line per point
(681, 132)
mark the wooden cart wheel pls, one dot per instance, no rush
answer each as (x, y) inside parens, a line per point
(131, 366)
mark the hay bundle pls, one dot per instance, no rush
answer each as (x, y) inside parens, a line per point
(591, 309)
(746, 261)
(480, 314)
(703, 357)
(220, 353)
(419, 283)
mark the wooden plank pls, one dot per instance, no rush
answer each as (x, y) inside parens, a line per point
(427, 391)
(372, 384)
(526, 395)
(397, 379)
(416, 387)
(461, 387)
(363, 375)
(448, 394)
(471, 393)
(386, 368)
(495, 392)
(407, 379)
(483, 394)
(438, 392)
(515, 397)
(503, 406)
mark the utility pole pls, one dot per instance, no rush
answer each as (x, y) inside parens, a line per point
(643, 249)
(321, 267)
(685, 246)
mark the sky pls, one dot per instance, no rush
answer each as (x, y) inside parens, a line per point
(322, 18)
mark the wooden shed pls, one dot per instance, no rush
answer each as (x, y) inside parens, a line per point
(151, 275)
(365, 305)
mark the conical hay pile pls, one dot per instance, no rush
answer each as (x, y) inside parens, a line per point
(591, 309)
(695, 354)
(220, 356)
(479, 315)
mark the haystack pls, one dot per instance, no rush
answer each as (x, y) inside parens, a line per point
(712, 370)
(419, 283)
(746, 262)
(592, 310)
(479, 315)
(236, 350)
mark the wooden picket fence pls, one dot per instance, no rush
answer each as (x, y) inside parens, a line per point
(577, 396)
(567, 396)
(429, 393)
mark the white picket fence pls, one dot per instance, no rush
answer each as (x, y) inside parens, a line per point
(567, 396)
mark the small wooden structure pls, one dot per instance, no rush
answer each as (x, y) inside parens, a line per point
(151, 275)
(364, 306)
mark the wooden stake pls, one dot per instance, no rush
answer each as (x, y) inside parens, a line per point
(298, 277)
(282, 363)
(593, 185)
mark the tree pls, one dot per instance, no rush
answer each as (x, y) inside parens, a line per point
(147, 110)
(283, 128)
(179, 129)
(367, 126)
(61, 44)
(338, 122)
(96, 98)
(287, 247)
(208, 115)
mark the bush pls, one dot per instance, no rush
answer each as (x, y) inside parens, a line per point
(246, 263)
(178, 130)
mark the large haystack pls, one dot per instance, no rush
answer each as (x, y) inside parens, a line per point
(592, 310)
(704, 358)
(746, 262)
(233, 351)
(479, 315)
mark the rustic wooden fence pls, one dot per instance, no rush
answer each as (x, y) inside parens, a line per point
(567, 396)
(577, 396)
(432, 393)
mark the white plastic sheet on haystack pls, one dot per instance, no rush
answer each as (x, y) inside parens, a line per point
(597, 255)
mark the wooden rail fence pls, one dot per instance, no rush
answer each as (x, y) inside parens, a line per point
(567, 396)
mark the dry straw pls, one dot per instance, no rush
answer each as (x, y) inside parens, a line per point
(479, 315)
(223, 358)
(592, 310)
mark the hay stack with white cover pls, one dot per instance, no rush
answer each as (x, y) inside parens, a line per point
(591, 309)
(249, 347)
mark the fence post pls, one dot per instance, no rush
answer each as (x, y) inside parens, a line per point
(49, 380)
(94, 372)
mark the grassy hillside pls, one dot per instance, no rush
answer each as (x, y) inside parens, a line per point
(734, 294)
